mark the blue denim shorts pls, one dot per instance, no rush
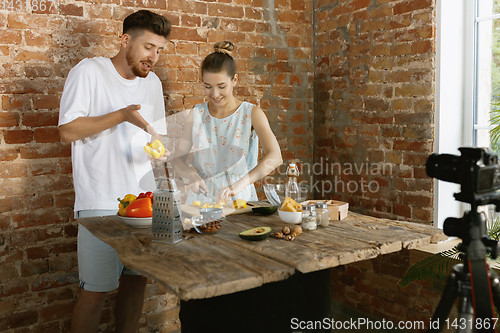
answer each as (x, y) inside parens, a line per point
(98, 265)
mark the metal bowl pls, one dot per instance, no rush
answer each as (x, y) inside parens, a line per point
(211, 213)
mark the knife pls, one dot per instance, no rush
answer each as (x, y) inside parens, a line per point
(206, 194)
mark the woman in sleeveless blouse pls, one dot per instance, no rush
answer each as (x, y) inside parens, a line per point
(223, 135)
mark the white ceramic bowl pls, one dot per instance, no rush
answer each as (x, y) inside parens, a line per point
(137, 222)
(290, 217)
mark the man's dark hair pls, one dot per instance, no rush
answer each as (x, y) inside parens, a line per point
(146, 20)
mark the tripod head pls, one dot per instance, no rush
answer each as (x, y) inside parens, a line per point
(472, 226)
(478, 172)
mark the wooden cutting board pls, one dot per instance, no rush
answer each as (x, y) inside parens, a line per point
(191, 210)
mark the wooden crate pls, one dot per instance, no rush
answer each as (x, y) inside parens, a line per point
(338, 209)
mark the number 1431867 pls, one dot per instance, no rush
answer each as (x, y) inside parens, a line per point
(38, 6)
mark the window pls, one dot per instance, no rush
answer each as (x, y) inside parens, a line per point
(486, 69)
(467, 84)
(486, 75)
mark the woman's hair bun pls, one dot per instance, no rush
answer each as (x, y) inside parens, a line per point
(224, 47)
(220, 60)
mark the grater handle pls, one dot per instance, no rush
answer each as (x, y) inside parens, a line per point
(170, 184)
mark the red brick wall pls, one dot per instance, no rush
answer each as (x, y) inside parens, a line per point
(38, 272)
(374, 104)
(373, 120)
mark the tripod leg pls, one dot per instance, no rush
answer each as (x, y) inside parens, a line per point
(450, 294)
(495, 286)
(465, 320)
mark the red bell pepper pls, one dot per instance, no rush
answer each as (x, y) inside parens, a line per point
(142, 207)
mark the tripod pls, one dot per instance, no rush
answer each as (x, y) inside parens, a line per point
(472, 280)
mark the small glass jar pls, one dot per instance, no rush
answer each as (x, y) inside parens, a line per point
(309, 217)
(323, 214)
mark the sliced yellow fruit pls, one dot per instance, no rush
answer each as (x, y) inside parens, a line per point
(155, 149)
(196, 203)
(206, 205)
(239, 204)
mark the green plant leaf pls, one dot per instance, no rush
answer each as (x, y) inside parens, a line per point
(495, 120)
(429, 268)
(495, 265)
(493, 226)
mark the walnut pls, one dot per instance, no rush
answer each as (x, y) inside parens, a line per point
(279, 235)
(290, 237)
(286, 230)
(297, 230)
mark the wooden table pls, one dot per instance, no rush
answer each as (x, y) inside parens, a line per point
(205, 266)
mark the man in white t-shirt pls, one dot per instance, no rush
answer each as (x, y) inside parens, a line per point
(110, 108)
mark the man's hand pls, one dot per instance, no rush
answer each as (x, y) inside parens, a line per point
(84, 127)
(131, 114)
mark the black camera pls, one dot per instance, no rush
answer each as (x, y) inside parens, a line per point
(476, 170)
(478, 173)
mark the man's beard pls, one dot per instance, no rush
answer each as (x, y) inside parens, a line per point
(135, 67)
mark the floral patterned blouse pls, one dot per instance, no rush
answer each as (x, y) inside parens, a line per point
(224, 150)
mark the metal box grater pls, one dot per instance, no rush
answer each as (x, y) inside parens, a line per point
(167, 213)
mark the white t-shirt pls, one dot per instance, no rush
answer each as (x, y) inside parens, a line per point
(113, 163)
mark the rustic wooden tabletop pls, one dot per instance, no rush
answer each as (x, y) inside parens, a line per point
(204, 266)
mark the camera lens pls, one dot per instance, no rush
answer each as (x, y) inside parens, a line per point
(453, 226)
(444, 167)
(490, 159)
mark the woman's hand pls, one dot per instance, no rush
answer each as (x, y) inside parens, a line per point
(195, 182)
(225, 194)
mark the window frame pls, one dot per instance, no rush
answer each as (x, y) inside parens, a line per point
(453, 121)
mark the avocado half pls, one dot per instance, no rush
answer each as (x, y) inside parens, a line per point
(256, 234)
(265, 210)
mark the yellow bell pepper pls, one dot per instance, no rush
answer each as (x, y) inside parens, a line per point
(122, 206)
(155, 149)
